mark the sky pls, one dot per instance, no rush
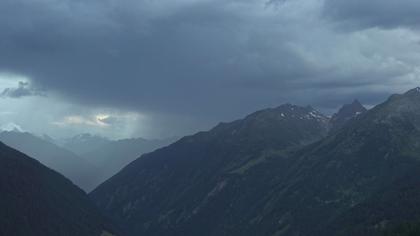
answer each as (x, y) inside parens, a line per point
(162, 68)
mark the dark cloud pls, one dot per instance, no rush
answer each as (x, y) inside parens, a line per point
(177, 58)
(212, 59)
(375, 13)
(23, 89)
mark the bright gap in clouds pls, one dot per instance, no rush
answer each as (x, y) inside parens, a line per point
(24, 108)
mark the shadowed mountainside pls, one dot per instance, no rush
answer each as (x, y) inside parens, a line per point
(77, 169)
(37, 201)
(277, 173)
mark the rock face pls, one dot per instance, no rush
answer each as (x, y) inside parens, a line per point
(276, 173)
(345, 114)
(37, 201)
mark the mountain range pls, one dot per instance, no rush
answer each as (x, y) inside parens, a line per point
(86, 159)
(83, 143)
(283, 171)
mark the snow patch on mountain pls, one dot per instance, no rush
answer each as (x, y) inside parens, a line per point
(11, 127)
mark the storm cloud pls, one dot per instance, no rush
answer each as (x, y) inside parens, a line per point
(23, 89)
(375, 13)
(211, 59)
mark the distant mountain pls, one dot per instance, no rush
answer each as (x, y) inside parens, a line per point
(172, 190)
(277, 173)
(110, 156)
(48, 139)
(65, 162)
(37, 201)
(114, 155)
(346, 113)
(11, 127)
(84, 143)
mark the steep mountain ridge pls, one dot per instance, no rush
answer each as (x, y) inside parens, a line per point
(390, 137)
(351, 179)
(63, 161)
(162, 192)
(37, 201)
(254, 176)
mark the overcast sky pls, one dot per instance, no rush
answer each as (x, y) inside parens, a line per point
(159, 68)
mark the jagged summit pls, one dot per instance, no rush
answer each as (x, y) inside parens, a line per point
(356, 103)
(288, 111)
(346, 113)
(284, 124)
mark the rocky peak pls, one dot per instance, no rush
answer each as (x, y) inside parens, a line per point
(288, 112)
(414, 91)
(286, 125)
(346, 113)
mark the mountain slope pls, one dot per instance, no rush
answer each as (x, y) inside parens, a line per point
(172, 190)
(358, 181)
(65, 162)
(112, 157)
(386, 155)
(37, 201)
(253, 177)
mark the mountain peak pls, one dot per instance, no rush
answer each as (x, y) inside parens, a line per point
(288, 112)
(11, 127)
(346, 113)
(414, 91)
(352, 108)
(356, 103)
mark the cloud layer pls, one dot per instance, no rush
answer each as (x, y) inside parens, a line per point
(375, 13)
(211, 60)
(23, 89)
